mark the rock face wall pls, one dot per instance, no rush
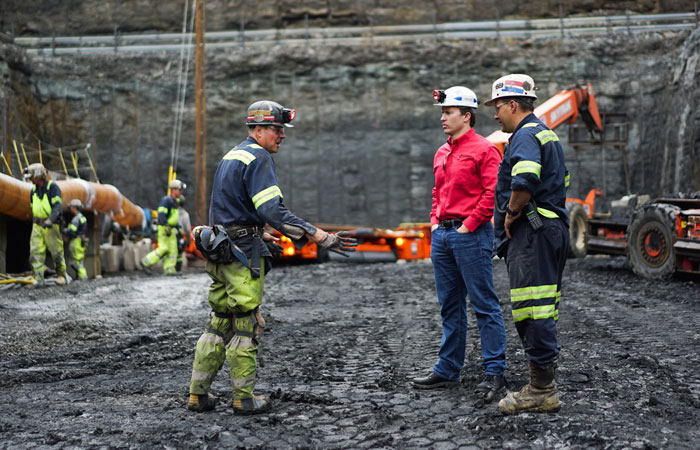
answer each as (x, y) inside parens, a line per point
(366, 131)
(104, 16)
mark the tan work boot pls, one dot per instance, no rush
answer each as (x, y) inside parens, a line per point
(540, 395)
(254, 405)
(201, 402)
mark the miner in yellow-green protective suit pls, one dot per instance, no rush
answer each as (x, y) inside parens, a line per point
(47, 207)
(245, 197)
(77, 232)
(167, 235)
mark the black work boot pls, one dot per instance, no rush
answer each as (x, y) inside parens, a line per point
(490, 388)
(201, 402)
(254, 405)
(433, 381)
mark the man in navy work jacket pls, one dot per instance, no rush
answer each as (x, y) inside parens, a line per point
(245, 196)
(532, 234)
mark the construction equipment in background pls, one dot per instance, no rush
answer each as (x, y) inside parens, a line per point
(659, 237)
(409, 241)
(566, 107)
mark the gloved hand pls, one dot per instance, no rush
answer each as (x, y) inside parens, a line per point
(274, 248)
(168, 231)
(339, 243)
(47, 223)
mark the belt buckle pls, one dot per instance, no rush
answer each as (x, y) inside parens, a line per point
(242, 233)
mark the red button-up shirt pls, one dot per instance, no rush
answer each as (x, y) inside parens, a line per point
(465, 180)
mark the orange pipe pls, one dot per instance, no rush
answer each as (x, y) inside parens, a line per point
(101, 198)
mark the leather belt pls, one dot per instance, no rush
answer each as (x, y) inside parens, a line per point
(239, 231)
(451, 223)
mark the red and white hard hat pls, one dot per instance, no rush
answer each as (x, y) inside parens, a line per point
(513, 85)
(456, 96)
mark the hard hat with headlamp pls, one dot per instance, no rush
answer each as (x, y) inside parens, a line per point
(456, 96)
(177, 184)
(513, 85)
(36, 170)
(266, 112)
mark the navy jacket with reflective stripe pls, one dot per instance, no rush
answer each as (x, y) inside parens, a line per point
(532, 160)
(245, 191)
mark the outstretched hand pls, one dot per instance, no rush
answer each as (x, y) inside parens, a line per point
(339, 243)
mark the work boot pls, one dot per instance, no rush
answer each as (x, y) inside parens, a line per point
(254, 405)
(146, 268)
(540, 395)
(201, 402)
(433, 381)
(491, 387)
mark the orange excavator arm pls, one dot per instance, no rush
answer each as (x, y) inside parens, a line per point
(564, 107)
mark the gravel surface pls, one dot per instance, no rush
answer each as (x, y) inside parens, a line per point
(106, 364)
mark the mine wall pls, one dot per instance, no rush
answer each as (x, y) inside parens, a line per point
(366, 131)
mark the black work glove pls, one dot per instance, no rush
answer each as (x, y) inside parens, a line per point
(168, 231)
(339, 243)
(47, 223)
(274, 248)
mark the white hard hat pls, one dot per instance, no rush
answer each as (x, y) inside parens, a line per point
(456, 96)
(513, 85)
(177, 184)
(76, 203)
(36, 170)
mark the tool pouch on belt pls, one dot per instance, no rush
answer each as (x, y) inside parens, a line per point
(216, 246)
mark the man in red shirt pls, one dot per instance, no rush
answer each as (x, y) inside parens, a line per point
(465, 169)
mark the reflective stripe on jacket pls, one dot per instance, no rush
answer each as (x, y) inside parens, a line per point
(533, 160)
(46, 201)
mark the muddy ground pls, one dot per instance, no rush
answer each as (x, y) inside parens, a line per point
(106, 364)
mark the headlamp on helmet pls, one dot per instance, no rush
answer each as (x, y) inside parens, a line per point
(36, 170)
(177, 184)
(456, 96)
(439, 95)
(266, 112)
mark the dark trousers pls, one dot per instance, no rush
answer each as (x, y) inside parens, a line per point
(535, 261)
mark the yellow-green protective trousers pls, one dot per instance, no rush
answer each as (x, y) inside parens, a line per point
(77, 252)
(233, 291)
(167, 251)
(41, 240)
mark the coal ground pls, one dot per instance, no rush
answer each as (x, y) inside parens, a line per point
(106, 364)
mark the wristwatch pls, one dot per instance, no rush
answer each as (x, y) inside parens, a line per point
(511, 212)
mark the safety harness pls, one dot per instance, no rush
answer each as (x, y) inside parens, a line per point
(242, 231)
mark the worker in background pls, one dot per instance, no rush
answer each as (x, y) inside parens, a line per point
(245, 197)
(168, 211)
(532, 234)
(77, 232)
(47, 207)
(465, 170)
(184, 232)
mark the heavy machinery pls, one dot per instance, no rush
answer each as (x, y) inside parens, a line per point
(659, 237)
(409, 241)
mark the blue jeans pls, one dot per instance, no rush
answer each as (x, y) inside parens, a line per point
(463, 266)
